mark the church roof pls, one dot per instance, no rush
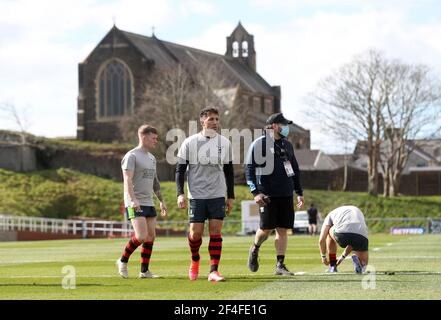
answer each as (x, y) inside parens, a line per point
(167, 54)
(239, 28)
(314, 160)
(430, 149)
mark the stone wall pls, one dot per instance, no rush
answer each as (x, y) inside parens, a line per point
(103, 164)
(17, 157)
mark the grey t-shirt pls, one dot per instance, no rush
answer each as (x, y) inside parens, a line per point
(143, 165)
(347, 219)
(206, 157)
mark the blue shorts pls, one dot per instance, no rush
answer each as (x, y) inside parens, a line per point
(146, 211)
(203, 209)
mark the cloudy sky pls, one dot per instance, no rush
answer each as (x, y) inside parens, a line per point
(298, 42)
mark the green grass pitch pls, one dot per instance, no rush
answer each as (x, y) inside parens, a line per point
(406, 267)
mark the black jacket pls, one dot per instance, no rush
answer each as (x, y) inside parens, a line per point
(261, 179)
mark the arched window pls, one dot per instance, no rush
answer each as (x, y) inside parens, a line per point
(235, 49)
(244, 49)
(114, 90)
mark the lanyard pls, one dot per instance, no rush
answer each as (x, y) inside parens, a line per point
(281, 151)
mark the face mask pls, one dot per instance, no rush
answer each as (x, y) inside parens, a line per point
(284, 131)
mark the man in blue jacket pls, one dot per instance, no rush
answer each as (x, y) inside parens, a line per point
(273, 174)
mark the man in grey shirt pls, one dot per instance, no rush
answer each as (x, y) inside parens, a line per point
(207, 156)
(140, 182)
(346, 227)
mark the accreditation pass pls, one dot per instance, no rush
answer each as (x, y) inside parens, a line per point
(288, 168)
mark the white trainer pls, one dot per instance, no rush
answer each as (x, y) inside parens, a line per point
(148, 274)
(214, 276)
(331, 269)
(358, 268)
(122, 269)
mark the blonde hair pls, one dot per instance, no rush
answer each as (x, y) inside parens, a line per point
(146, 129)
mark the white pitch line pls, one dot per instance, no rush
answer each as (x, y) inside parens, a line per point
(301, 273)
(60, 277)
(376, 249)
(233, 276)
(409, 257)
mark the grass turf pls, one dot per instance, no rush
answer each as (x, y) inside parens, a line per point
(64, 193)
(406, 267)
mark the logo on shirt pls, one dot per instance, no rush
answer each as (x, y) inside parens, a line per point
(148, 174)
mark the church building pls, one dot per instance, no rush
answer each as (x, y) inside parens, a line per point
(111, 80)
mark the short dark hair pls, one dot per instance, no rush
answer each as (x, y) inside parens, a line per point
(146, 129)
(204, 112)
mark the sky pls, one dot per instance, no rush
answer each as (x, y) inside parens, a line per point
(297, 42)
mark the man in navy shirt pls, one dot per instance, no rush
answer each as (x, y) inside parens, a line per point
(272, 173)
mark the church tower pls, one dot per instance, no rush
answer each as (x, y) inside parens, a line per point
(240, 45)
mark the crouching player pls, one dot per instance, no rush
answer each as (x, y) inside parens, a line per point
(346, 227)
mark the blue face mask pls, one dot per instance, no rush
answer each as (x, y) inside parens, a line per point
(284, 131)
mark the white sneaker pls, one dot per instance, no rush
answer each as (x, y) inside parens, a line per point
(148, 274)
(331, 269)
(122, 269)
(357, 265)
(214, 276)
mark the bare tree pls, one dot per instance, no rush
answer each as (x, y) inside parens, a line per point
(345, 165)
(350, 102)
(166, 103)
(411, 110)
(383, 102)
(173, 97)
(18, 118)
(20, 121)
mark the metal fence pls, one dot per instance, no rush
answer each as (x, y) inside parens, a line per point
(104, 228)
(93, 228)
(82, 228)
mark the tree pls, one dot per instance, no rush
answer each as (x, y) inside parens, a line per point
(166, 103)
(350, 102)
(411, 111)
(19, 119)
(173, 97)
(385, 103)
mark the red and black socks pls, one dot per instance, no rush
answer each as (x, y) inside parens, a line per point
(130, 247)
(146, 252)
(215, 250)
(194, 248)
(332, 259)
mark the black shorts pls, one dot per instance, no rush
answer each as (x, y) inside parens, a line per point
(356, 241)
(203, 209)
(279, 213)
(312, 221)
(146, 211)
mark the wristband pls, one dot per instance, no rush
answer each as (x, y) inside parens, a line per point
(343, 256)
